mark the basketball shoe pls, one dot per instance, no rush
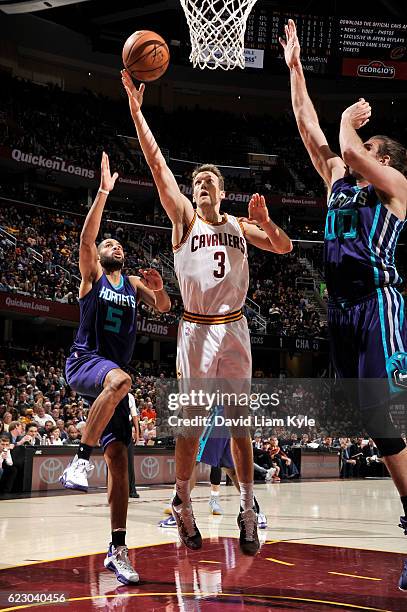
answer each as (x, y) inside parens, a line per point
(249, 540)
(261, 521)
(215, 506)
(187, 529)
(168, 522)
(117, 561)
(75, 475)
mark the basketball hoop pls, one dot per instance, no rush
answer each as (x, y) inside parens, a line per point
(217, 29)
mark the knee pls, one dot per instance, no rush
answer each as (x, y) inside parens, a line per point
(116, 457)
(119, 384)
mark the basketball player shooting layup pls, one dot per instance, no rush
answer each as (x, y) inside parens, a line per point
(367, 201)
(103, 345)
(210, 258)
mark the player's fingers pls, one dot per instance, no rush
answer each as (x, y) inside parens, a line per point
(141, 88)
(282, 42)
(262, 201)
(115, 177)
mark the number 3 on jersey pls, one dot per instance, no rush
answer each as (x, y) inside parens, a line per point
(113, 321)
(220, 258)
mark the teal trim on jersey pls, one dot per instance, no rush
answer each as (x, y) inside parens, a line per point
(372, 233)
(119, 286)
(206, 434)
(382, 322)
(397, 305)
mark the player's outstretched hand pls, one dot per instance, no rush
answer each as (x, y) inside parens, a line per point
(135, 95)
(358, 114)
(291, 45)
(258, 212)
(151, 279)
(107, 181)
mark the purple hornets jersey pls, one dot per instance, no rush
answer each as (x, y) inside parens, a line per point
(360, 241)
(108, 321)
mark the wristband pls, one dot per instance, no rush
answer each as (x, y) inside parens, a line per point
(105, 191)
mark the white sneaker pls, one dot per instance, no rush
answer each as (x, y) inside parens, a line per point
(75, 475)
(270, 474)
(261, 521)
(117, 561)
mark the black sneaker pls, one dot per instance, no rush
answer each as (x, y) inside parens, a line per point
(249, 540)
(187, 529)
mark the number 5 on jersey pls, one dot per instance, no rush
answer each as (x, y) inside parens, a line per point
(113, 320)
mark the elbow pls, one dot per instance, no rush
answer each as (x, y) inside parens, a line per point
(349, 155)
(285, 248)
(86, 240)
(157, 166)
(289, 248)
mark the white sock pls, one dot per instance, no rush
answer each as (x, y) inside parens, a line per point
(183, 490)
(246, 495)
(214, 493)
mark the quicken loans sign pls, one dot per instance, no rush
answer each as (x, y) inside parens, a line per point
(60, 165)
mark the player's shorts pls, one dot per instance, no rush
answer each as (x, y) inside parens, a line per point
(209, 352)
(365, 336)
(215, 452)
(85, 374)
(369, 338)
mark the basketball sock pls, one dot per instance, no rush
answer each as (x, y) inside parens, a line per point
(119, 537)
(84, 451)
(214, 493)
(403, 500)
(246, 495)
(182, 495)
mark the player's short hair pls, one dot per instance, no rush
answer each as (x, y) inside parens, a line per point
(395, 150)
(100, 245)
(209, 168)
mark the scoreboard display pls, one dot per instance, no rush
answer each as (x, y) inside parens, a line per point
(333, 45)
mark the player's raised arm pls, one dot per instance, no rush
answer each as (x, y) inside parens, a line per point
(368, 161)
(89, 265)
(177, 206)
(270, 237)
(150, 287)
(327, 163)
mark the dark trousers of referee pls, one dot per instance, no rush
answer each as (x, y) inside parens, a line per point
(132, 478)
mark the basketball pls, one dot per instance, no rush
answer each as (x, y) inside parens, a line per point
(145, 55)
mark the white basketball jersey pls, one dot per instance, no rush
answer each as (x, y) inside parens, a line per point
(211, 266)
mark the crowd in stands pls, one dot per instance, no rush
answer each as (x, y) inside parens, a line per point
(52, 126)
(275, 457)
(43, 263)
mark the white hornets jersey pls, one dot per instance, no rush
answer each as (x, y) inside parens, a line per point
(211, 266)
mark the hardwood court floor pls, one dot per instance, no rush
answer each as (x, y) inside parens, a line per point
(329, 545)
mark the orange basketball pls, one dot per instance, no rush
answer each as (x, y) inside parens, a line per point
(145, 55)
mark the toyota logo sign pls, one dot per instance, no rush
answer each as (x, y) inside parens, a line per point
(50, 470)
(150, 468)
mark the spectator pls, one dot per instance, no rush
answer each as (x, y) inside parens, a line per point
(72, 436)
(8, 471)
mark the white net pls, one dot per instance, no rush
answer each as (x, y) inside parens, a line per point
(217, 29)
